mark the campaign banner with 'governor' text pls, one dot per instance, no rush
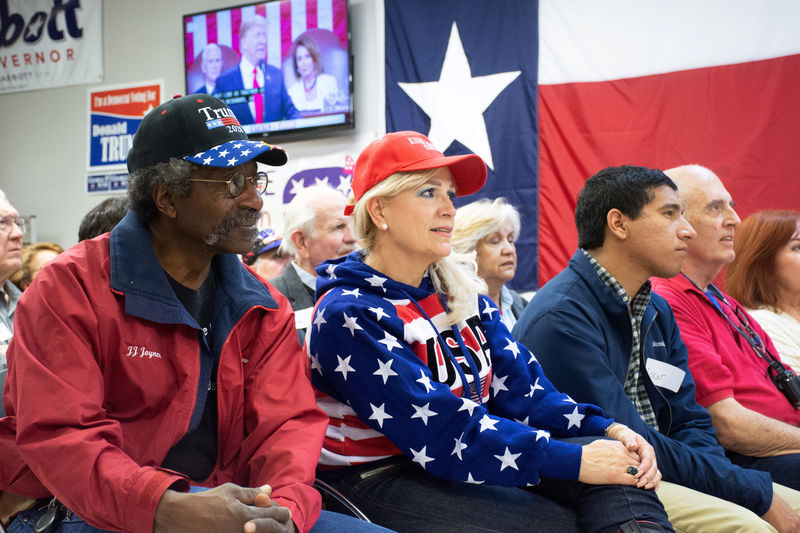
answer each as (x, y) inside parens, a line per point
(50, 43)
(114, 115)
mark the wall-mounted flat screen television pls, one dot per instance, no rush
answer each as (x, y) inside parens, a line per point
(283, 66)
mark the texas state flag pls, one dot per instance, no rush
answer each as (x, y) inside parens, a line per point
(657, 84)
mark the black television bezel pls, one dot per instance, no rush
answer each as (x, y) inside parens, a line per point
(301, 133)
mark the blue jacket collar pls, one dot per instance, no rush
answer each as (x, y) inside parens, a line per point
(609, 299)
(136, 272)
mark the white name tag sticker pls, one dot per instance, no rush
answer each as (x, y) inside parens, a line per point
(5, 333)
(665, 375)
(302, 318)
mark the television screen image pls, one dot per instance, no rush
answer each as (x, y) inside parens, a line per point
(282, 66)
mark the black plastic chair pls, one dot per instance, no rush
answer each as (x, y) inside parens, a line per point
(335, 501)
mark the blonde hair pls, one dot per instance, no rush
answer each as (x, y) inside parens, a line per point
(23, 277)
(454, 276)
(477, 220)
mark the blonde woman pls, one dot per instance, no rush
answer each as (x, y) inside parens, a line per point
(439, 420)
(490, 229)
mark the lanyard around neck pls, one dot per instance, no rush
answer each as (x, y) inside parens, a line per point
(466, 388)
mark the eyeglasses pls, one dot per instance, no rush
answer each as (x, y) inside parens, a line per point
(8, 220)
(237, 183)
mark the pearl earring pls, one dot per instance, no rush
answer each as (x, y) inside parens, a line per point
(384, 226)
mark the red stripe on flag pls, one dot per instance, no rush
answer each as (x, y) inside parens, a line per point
(261, 9)
(286, 28)
(311, 14)
(230, 121)
(189, 44)
(738, 120)
(236, 23)
(211, 28)
(339, 20)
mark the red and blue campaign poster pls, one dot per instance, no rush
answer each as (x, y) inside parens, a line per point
(114, 115)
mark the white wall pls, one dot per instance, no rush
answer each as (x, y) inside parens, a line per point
(44, 139)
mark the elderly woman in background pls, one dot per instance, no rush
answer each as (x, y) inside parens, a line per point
(765, 277)
(313, 88)
(439, 420)
(490, 229)
(34, 257)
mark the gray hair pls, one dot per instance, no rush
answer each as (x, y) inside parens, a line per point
(300, 213)
(173, 174)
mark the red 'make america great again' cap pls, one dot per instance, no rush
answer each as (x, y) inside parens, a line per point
(407, 151)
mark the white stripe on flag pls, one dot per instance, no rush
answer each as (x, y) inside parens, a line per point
(325, 14)
(585, 40)
(344, 431)
(331, 459)
(224, 30)
(199, 34)
(299, 20)
(274, 33)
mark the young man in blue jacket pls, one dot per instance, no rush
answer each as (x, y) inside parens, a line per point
(603, 337)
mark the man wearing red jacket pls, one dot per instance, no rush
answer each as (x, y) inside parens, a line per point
(149, 361)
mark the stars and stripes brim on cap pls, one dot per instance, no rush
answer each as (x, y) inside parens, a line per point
(233, 153)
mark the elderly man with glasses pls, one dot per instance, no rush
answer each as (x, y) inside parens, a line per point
(11, 229)
(156, 384)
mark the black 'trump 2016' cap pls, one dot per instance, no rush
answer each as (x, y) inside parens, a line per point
(197, 128)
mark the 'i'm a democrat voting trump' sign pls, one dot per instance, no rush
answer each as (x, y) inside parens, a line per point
(114, 115)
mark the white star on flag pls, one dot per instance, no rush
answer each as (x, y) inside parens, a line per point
(488, 309)
(532, 359)
(512, 347)
(208, 160)
(534, 388)
(297, 186)
(385, 370)
(344, 366)
(354, 292)
(377, 281)
(422, 412)
(223, 153)
(420, 457)
(316, 366)
(508, 459)
(237, 145)
(232, 162)
(574, 418)
(323, 181)
(459, 447)
(470, 479)
(330, 271)
(467, 405)
(542, 434)
(379, 313)
(344, 184)
(498, 385)
(245, 153)
(456, 102)
(487, 422)
(525, 421)
(425, 380)
(390, 341)
(350, 323)
(319, 319)
(379, 414)
(568, 399)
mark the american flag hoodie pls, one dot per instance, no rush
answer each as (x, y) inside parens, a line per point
(391, 377)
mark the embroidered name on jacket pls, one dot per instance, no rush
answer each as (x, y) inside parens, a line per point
(142, 352)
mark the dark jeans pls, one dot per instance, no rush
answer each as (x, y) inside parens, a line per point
(327, 523)
(400, 495)
(785, 469)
